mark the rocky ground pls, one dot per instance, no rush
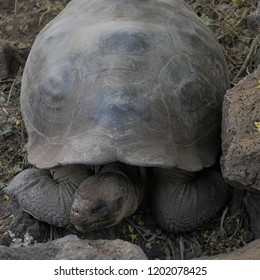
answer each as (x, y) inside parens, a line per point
(235, 25)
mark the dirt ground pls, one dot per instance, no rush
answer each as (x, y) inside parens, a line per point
(232, 23)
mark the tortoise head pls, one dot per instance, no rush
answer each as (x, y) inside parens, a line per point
(103, 200)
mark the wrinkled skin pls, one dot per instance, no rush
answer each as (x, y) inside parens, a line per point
(182, 200)
(89, 200)
(75, 194)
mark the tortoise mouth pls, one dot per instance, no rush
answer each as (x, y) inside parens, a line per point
(88, 227)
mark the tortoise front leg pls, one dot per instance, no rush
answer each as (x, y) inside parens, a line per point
(184, 200)
(48, 194)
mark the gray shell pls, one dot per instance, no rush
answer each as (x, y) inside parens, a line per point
(139, 81)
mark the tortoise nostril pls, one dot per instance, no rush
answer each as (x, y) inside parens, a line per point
(74, 210)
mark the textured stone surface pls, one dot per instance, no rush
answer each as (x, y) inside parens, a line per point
(73, 248)
(18, 228)
(240, 161)
(251, 251)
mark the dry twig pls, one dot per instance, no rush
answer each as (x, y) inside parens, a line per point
(254, 46)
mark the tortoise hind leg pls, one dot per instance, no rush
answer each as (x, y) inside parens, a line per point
(183, 200)
(48, 195)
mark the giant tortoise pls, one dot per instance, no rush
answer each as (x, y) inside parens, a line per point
(122, 98)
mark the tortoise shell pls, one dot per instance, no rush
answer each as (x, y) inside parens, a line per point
(141, 82)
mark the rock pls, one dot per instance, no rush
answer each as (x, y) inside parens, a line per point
(251, 251)
(252, 206)
(240, 161)
(73, 248)
(18, 228)
(8, 61)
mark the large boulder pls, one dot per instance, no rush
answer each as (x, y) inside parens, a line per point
(72, 248)
(240, 161)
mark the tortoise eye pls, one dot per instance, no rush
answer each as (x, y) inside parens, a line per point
(97, 207)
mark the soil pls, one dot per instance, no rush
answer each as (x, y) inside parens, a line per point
(237, 32)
